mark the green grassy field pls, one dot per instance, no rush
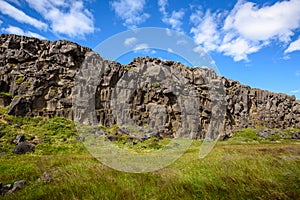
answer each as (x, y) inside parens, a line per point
(243, 167)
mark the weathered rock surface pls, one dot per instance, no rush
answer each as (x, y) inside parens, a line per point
(24, 147)
(37, 78)
(11, 188)
(46, 177)
(20, 138)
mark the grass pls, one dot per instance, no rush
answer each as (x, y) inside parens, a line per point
(249, 135)
(243, 167)
(263, 171)
(58, 135)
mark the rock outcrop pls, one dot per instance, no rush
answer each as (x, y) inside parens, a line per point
(38, 78)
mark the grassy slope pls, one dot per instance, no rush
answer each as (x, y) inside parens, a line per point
(240, 168)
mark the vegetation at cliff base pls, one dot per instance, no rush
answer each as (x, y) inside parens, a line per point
(243, 167)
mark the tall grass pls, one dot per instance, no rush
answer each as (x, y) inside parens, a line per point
(262, 171)
(244, 167)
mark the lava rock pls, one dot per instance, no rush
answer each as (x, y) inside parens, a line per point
(80, 138)
(111, 138)
(17, 186)
(263, 134)
(45, 178)
(19, 138)
(23, 148)
(296, 136)
(5, 189)
(123, 130)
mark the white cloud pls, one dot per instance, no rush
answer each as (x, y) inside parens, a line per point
(295, 91)
(168, 32)
(238, 48)
(200, 51)
(170, 50)
(174, 19)
(130, 41)
(181, 42)
(162, 4)
(294, 46)
(140, 47)
(205, 31)
(13, 30)
(131, 11)
(66, 17)
(265, 23)
(247, 28)
(18, 31)
(153, 52)
(297, 73)
(20, 16)
(143, 48)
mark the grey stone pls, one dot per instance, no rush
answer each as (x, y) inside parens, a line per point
(23, 148)
(19, 138)
(46, 177)
(263, 134)
(5, 189)
(80, 138)
(296, 136)
(123, 130)
(17, 186)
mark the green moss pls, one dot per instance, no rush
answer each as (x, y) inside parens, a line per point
(112, 129)
(22, 96)
(19, 79)
(28, 63)
(58, 134)
(247, 135)
(6, 94)
(128, 67)
(155, 84)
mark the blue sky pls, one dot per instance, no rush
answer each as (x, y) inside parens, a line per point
(254, 42)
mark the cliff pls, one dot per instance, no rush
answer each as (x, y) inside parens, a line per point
(38, 77)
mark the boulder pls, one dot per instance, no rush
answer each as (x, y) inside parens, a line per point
(46, 177)
(263, 133)
(5, 189)
(296, 136)
(17, 186)
(11, 188)
(23, 148)
(19, 138)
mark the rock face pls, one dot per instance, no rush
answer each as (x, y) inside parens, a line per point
(24, 147)
(40, 78)
(11, 188)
